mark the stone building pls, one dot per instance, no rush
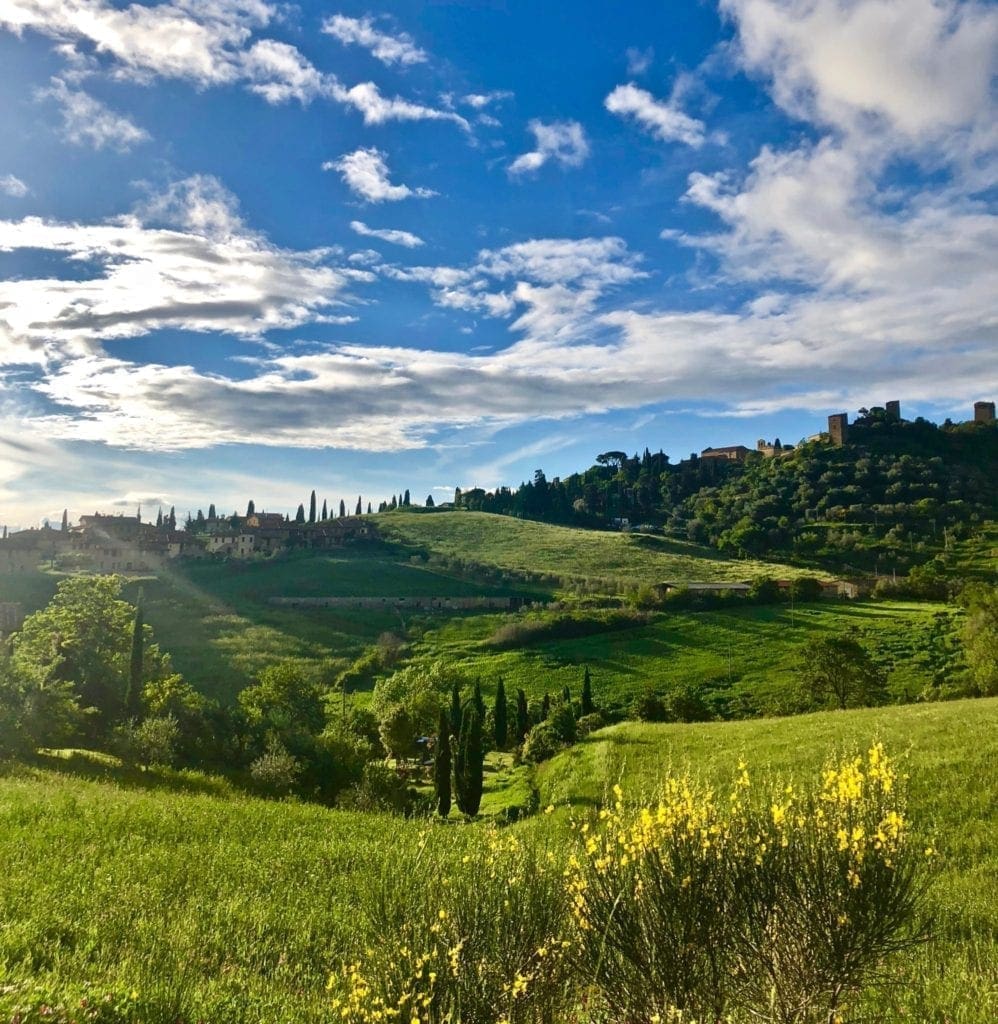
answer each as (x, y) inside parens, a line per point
(984, 412)
(732, 452)
(838, 428)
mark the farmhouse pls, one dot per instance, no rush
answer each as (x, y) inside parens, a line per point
(732, 452)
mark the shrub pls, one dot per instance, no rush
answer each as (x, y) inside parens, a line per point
(590, 723)
(380, 789)
(649, 707)
(776, 903)
(563, 723)
(464, 939)
(152, 742)
(276, 771)
(541, 744)
(686, 703)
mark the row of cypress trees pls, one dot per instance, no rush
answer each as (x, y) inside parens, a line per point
(458, 773)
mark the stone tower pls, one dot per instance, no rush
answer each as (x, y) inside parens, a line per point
(893, 410)
(984, 412)
(838, 428)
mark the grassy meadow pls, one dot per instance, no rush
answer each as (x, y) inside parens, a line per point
(569, 552)
(182, 900)
(743, 655)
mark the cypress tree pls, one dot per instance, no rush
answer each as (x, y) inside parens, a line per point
(393, 504)
(429, 501)
(172, 521)
(588, 707)
(442, 766)
(566, 695)
(455, 710)
(343, 508)
(311, 508)
(469, 762)
(500, 714)
(250, 508)
(300, 514)
(360, 507)
(159, 520)
(211, 511)
(406, 500)
(325, 510)
(133, 697)
(476, 696)
(368, 508)
(545, 707)
(522, 716)
(65, 520)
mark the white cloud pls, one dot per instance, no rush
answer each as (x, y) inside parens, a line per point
(397, 49)
(184, 260)
(393, 235)
(205, 42)
(376, 109)
(480, 100)
(664, 120)
(11, 185)
(562, 141)
(639, 61)
(365, 173)
(85, 120)
(919, 68)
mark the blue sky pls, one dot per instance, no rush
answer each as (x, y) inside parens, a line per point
(249, 248)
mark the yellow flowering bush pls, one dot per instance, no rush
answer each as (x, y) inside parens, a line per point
(467, 937)
(771, 901)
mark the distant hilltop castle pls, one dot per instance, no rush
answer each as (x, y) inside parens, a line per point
(838, 423)
(837, 433)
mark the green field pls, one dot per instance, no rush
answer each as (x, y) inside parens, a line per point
(745, 655)
(190, 902)
(625, 558)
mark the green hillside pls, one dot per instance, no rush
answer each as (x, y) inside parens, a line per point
(744, 657)
(561, 551)
(183, 901)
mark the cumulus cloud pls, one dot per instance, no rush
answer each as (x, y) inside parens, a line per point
(664, 120)
(917, 69)
(183, 260)
(365, 173)
(392, 235)
(87, 121)
(562, 141)
(207, 43)
(11, 185)
(397, 49)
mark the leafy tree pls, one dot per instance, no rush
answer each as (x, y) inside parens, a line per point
(429, 501)
(562, 721)
(442, 766)
(522, 716)
(284, 702)
(837, 670)
(398, 732)
(133, 698)
(85, 637)
(542, 743)
(276, 770)
(500, 716)
(36, 710)
(587, 706)
(469, 762)
(418, 689)
(980, 637)
(151, 742)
